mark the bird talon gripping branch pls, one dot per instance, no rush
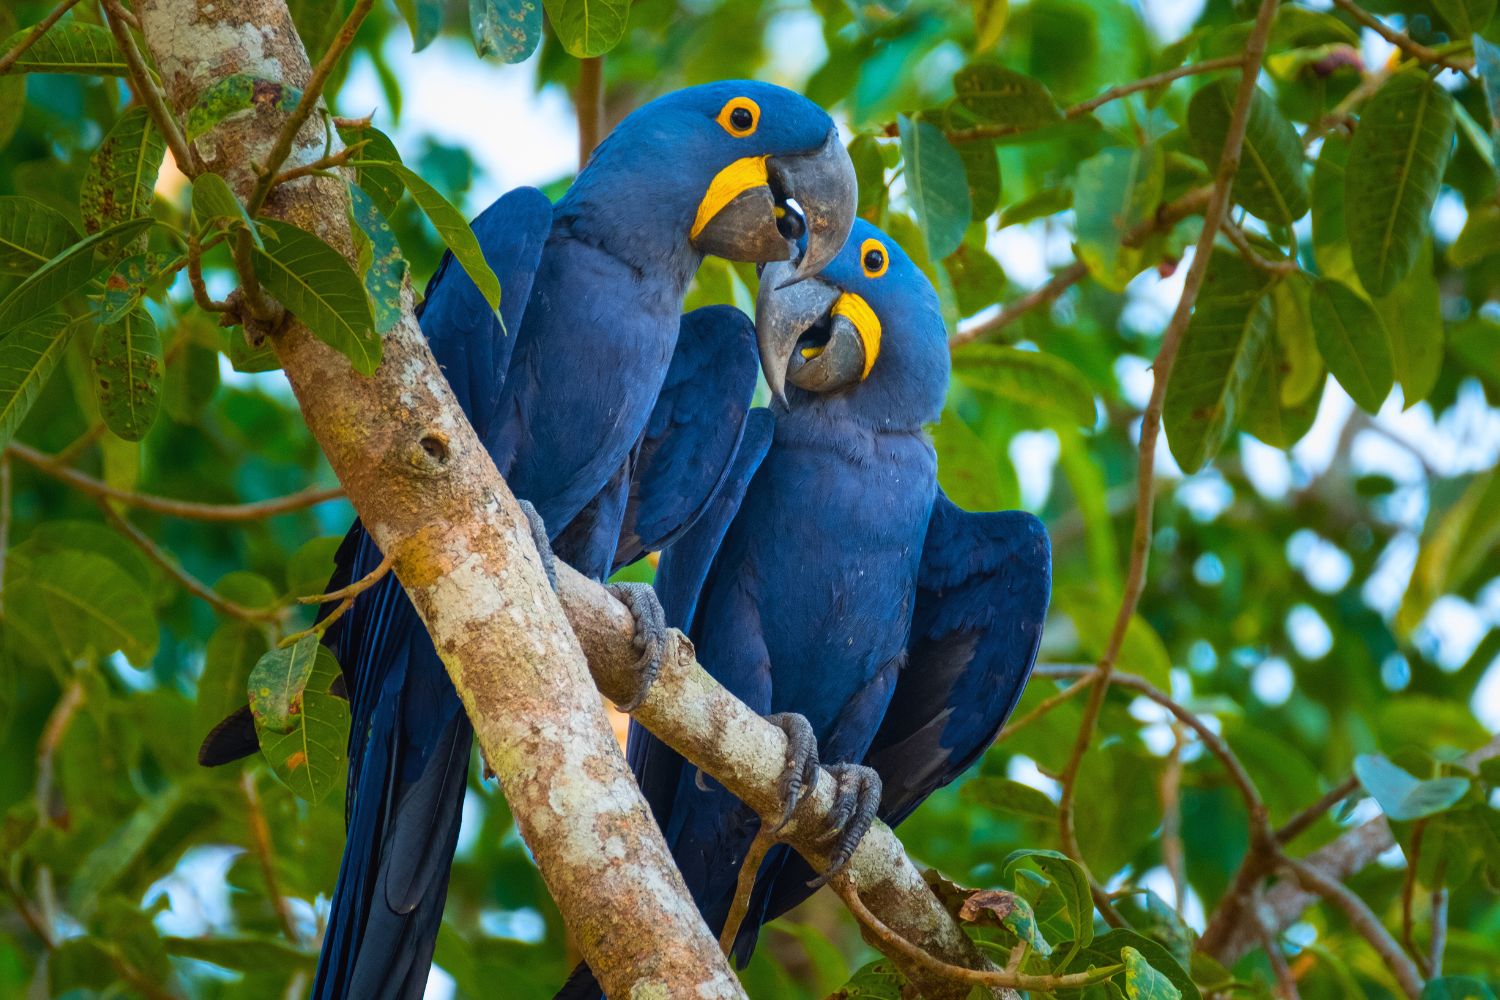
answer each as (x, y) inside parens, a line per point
(650, 637)
(856, 801)
(801, 771)
(543, 542)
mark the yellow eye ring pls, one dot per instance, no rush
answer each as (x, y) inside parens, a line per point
(873, 258)
(740, 117)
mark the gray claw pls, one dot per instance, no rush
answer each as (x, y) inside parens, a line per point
(801, 771)
(543, 542)
(856, 802)
(650, 636)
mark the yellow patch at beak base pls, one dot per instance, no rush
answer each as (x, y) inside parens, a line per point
(866, 324)
(740, 176)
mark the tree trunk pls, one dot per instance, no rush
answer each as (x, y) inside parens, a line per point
(431, 498)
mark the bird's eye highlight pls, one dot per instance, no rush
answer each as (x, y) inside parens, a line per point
(872, 258)
(739, 117)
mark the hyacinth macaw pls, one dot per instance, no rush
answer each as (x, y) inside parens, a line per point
(585, 399)
(830, 577)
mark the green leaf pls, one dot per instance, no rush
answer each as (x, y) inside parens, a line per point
(234, 95)
(1354, 343)
(1109, 949)
(508, 30)
(1487, 61)
(94, 607)
(31, 234)
(28, 356)
(1330, 239)
(1142, 982)
(1454, 547)
(386, 275)
(1457, 988)
(1480, 237)
(998, 908)
(213, 201)
(1396, 163)
(310, 755)
(999, 96)
(1269, 182)
(127, 364)
(936, 185)
(124, 288)
(192, 380)
(1092, 612)
(1220, 355)
(1011, 797)
(1042, 382)
(373, 172)
(63, 275)
(982, 170)
(121, 180)
(1401, 796)
(425, 18)
(880, 980)
(243, 952)
(453, 231)
(277, 682)
(989, 22)
(976, 276)
(1073, 884)
(311, 567)
(1413, 316)
(314, 281)
(969, 470)
(1114, 192)
(86, 49)
(230, 655)
(1465, 17)
(12, 87)
(588, 28)
(103, 867)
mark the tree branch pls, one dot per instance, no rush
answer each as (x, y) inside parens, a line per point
(187, 509)
(146, 89)
(590, 103)
(1218, 205)
(1400, 39)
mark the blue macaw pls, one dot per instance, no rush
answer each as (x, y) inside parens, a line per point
(830, 577)
(587, 406)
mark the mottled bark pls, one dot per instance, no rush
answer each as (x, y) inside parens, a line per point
(430, 496)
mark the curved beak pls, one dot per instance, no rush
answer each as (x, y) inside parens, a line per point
(812, 334)
(747, 213)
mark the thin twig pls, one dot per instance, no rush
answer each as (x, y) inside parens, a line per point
(1439, 939)
(205, 301)
(1047, 705)
(1301, 822)
(186, 580)
(1286, 983)
(354, 589)
(58, 721)
(1094, 103)
(745, 887)
(187, 509)
(1171, 818)
(27, 909)
(311, 95)
(330, 162)
(146, 89)
(1408, 893)
(68, 452)
(260, 839)
(1135, 582)
(891, 941)
(1254, 257)
(1400, 39)
(590, 102)
(42, 27)
(1363, 921)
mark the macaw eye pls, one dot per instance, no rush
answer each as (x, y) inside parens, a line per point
(739, 117)
(872, 257)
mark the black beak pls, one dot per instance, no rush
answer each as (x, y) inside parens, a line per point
(802, 339)
(756, 220)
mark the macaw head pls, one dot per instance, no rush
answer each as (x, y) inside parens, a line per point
(738, 169)
(865, 335)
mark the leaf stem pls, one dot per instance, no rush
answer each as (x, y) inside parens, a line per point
(147, 90)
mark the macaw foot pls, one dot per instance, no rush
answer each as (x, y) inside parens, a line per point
(801, 769)
(543, 543)
(650, 636)
(856, 801)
